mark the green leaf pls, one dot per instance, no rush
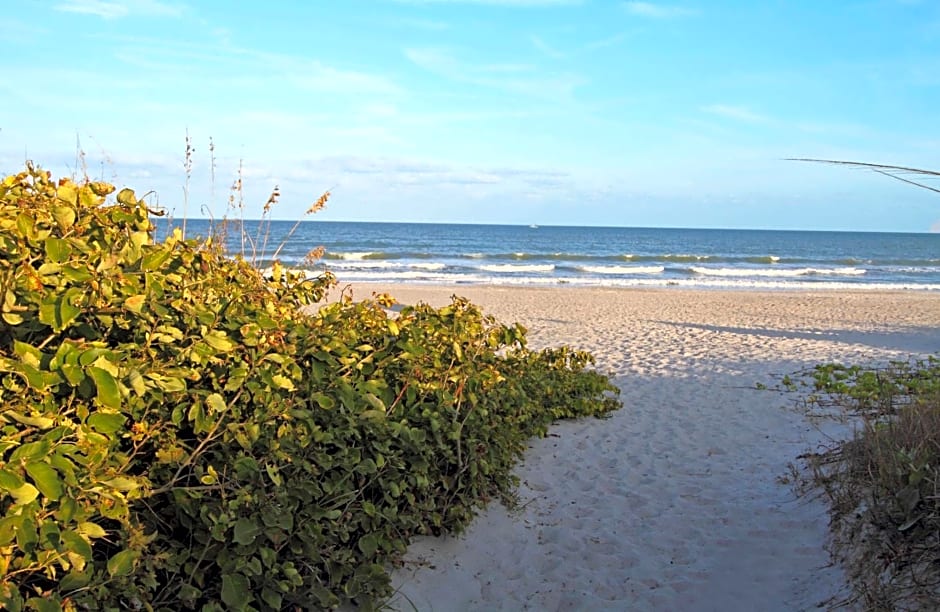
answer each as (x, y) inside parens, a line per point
(235, 591)
(369, 544)
(122, 564)
(108, 393)
(106, 422)
(154, 259)
(43, 604)
(76, 273)
(11, 318)
(10, 480)
(68, 193)
(77, 544)
(126, 197)
(216, 403)
(46, 478)
(135, 303)
(283, 382)
(73, 373)
(122, 483)
(74, 580)
(246, 531)
(136, 381)
(91, 530)
(30, 450)
(40, 422)
(57, 249)
(58, 311)
(272, 598)
(374, 401)
(29, 354)
(219, 341)
(25, 225)
(24, 494)
(64, 216)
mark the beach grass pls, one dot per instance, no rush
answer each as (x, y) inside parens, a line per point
(884, 483)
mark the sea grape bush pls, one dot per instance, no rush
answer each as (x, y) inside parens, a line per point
(180, 432)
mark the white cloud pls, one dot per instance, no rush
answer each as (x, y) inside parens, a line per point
(116, 10)
(658, 11)
(738, 113)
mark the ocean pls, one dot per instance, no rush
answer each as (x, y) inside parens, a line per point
(596, 256)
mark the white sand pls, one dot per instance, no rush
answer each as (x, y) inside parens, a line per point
(674, 503)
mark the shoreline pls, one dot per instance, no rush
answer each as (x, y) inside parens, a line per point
(678, 500)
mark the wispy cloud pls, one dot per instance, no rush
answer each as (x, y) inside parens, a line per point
(116, 10)
(738, 113)
(424, 24)
(658, 11)
(546, 48)
(515, 78)
(508, 3)
(603, 43)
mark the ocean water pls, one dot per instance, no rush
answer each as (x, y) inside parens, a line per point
(597, 256)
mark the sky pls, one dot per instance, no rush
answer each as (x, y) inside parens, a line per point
(553, 112)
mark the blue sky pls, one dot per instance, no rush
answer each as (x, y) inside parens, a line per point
(577, 112)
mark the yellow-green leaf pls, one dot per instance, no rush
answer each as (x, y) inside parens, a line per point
(24, 494)
(30, 355)
(10, 480)
(46, 479)
(68, 193)
(216, 403)
(57, 249)
(108, 393)
(12, 319)
(219, 341)
(122, 483)
(64, 216)
(122, 564)
(91, 530)
(106, 422)
(126, 196)
(74, 580)
(135, 303)
(283, 382)
(136, 381)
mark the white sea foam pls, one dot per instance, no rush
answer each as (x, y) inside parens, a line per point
(402, 275)
(777, 272)
(704, 282)
(353, 256)
(363, 265)
(518, 268)
(427, 266)
(622, 269)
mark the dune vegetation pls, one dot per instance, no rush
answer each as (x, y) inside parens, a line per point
(182, 432)
(884, 484)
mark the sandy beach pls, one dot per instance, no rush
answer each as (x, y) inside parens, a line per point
(679, 501)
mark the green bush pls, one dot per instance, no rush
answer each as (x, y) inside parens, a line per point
(178, 433)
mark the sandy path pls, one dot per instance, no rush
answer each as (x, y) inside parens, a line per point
(675, 502)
